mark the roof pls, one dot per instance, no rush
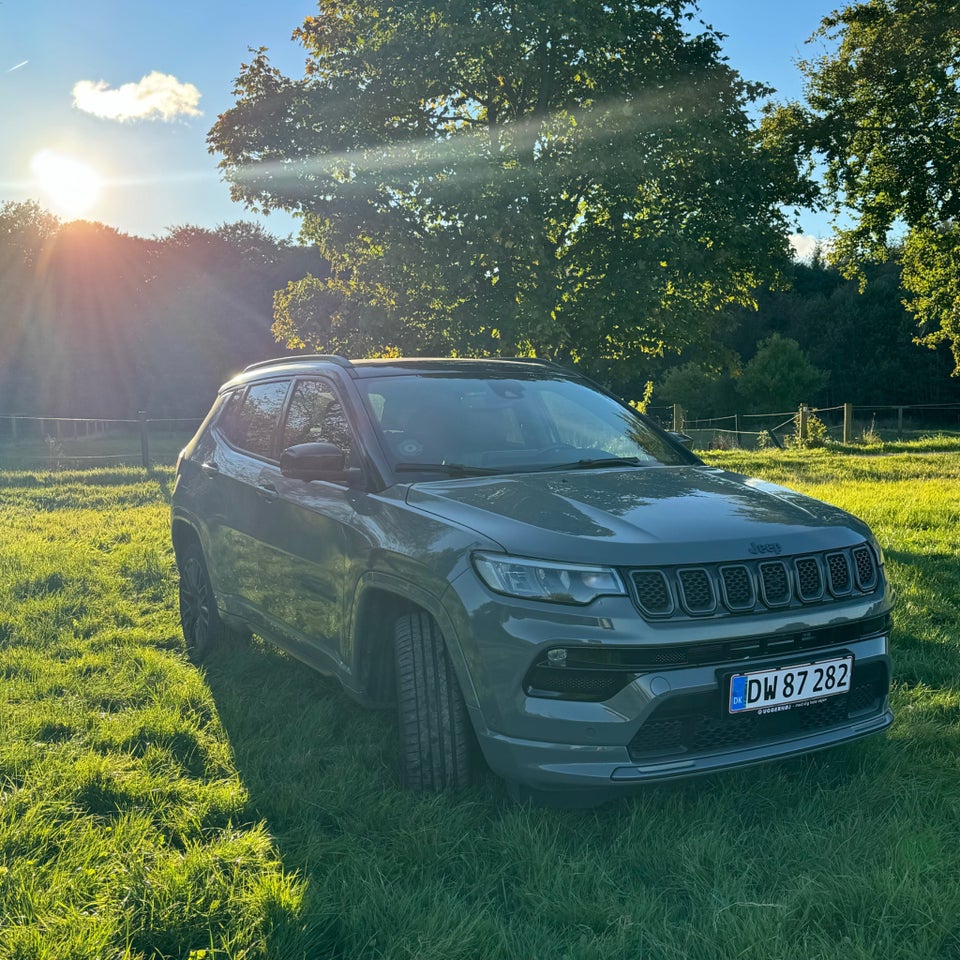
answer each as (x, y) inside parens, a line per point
(305, 363)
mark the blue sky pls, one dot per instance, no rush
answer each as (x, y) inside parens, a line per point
(175, 62)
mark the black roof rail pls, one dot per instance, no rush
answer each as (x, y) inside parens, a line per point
(539, 361)
(301, 358)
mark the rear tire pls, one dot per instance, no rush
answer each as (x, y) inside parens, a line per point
(435, 737)
(199, 619)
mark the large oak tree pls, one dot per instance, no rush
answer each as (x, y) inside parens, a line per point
(882, 122)
(579, 180)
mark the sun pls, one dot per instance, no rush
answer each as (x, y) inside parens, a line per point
(71, 186)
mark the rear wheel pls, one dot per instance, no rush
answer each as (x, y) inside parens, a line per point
(199, 619)
(435, 742)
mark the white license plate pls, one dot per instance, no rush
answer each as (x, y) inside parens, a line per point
(786, 686)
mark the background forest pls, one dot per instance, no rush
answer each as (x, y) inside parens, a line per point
(95, 323)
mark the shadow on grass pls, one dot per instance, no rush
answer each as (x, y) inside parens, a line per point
(321, 774)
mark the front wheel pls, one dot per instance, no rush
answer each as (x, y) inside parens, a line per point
(435, 742)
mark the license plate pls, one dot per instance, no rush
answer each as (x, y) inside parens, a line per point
(786, 686)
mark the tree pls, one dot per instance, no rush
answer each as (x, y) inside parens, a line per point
(882, 115)
(575, 180)
(95, 323)
(701, 391)
(779, 376)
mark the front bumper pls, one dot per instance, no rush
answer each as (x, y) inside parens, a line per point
(669, 721)
(602, 772)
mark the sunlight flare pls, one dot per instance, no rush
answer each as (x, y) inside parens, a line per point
(70, 186)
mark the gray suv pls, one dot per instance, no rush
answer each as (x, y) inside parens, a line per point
(530, 571)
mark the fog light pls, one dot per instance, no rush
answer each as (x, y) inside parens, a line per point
(557, 657)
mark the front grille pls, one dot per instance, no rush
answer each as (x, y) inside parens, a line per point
(698, 724)
(753, 586)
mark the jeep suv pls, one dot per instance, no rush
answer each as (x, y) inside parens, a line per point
(528, 569)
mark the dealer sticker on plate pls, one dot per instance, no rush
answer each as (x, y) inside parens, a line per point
(784, 687)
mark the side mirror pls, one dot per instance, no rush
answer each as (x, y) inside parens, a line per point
(681, 438)
(314, 461)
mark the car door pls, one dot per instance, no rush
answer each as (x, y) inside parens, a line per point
(307, 535)
(245, 452)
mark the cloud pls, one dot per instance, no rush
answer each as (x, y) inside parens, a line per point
(804, 245)
(158, 95)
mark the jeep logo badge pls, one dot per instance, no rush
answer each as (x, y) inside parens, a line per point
(765, 549)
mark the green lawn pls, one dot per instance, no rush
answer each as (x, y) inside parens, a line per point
(249, 809)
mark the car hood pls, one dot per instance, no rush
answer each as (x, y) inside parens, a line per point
(625, 516)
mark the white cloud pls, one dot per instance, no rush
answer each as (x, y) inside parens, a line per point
(158, 95)
(804, 245)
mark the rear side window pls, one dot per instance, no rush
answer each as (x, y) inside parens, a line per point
(251, 424)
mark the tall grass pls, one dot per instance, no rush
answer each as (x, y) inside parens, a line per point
(248, 809)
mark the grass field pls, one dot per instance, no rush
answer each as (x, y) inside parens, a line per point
(249, 810)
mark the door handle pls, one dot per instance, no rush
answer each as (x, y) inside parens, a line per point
(268, 491)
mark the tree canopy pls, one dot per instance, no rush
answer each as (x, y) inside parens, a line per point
(580, 181)
(95, 323)
(882, 117)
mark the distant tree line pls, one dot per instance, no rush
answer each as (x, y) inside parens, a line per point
(823, 341)
(95, 323)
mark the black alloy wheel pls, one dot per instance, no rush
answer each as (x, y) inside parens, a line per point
(199, 618)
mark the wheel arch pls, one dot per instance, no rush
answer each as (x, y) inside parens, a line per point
(183, 534)
(381, 600)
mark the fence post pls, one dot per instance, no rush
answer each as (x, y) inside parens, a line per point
(13, 428)
(848, 423)
(802, 421)
(677, 418)
(899, 423)
(736, 427)
(144, 441)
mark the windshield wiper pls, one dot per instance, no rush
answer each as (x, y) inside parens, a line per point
(597, 464)
(450, 469)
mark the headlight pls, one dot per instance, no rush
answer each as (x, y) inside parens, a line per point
(545, 580)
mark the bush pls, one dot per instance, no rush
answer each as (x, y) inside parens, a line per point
(817, 435)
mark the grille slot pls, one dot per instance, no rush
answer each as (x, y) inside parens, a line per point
(838, 571)
(696, 590)
(775, 583)
(865, 568)
(653, 592)
(809, 579)
(738, 590)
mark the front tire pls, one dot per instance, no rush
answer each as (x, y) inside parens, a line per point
(199, 619)
(435, 741)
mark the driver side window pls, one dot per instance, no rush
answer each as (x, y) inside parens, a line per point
(316, 416)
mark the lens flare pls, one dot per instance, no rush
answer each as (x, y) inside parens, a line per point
(70, 186)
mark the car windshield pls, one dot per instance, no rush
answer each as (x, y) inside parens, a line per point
(462, 426)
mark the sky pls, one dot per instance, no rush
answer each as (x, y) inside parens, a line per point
(105, 106)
